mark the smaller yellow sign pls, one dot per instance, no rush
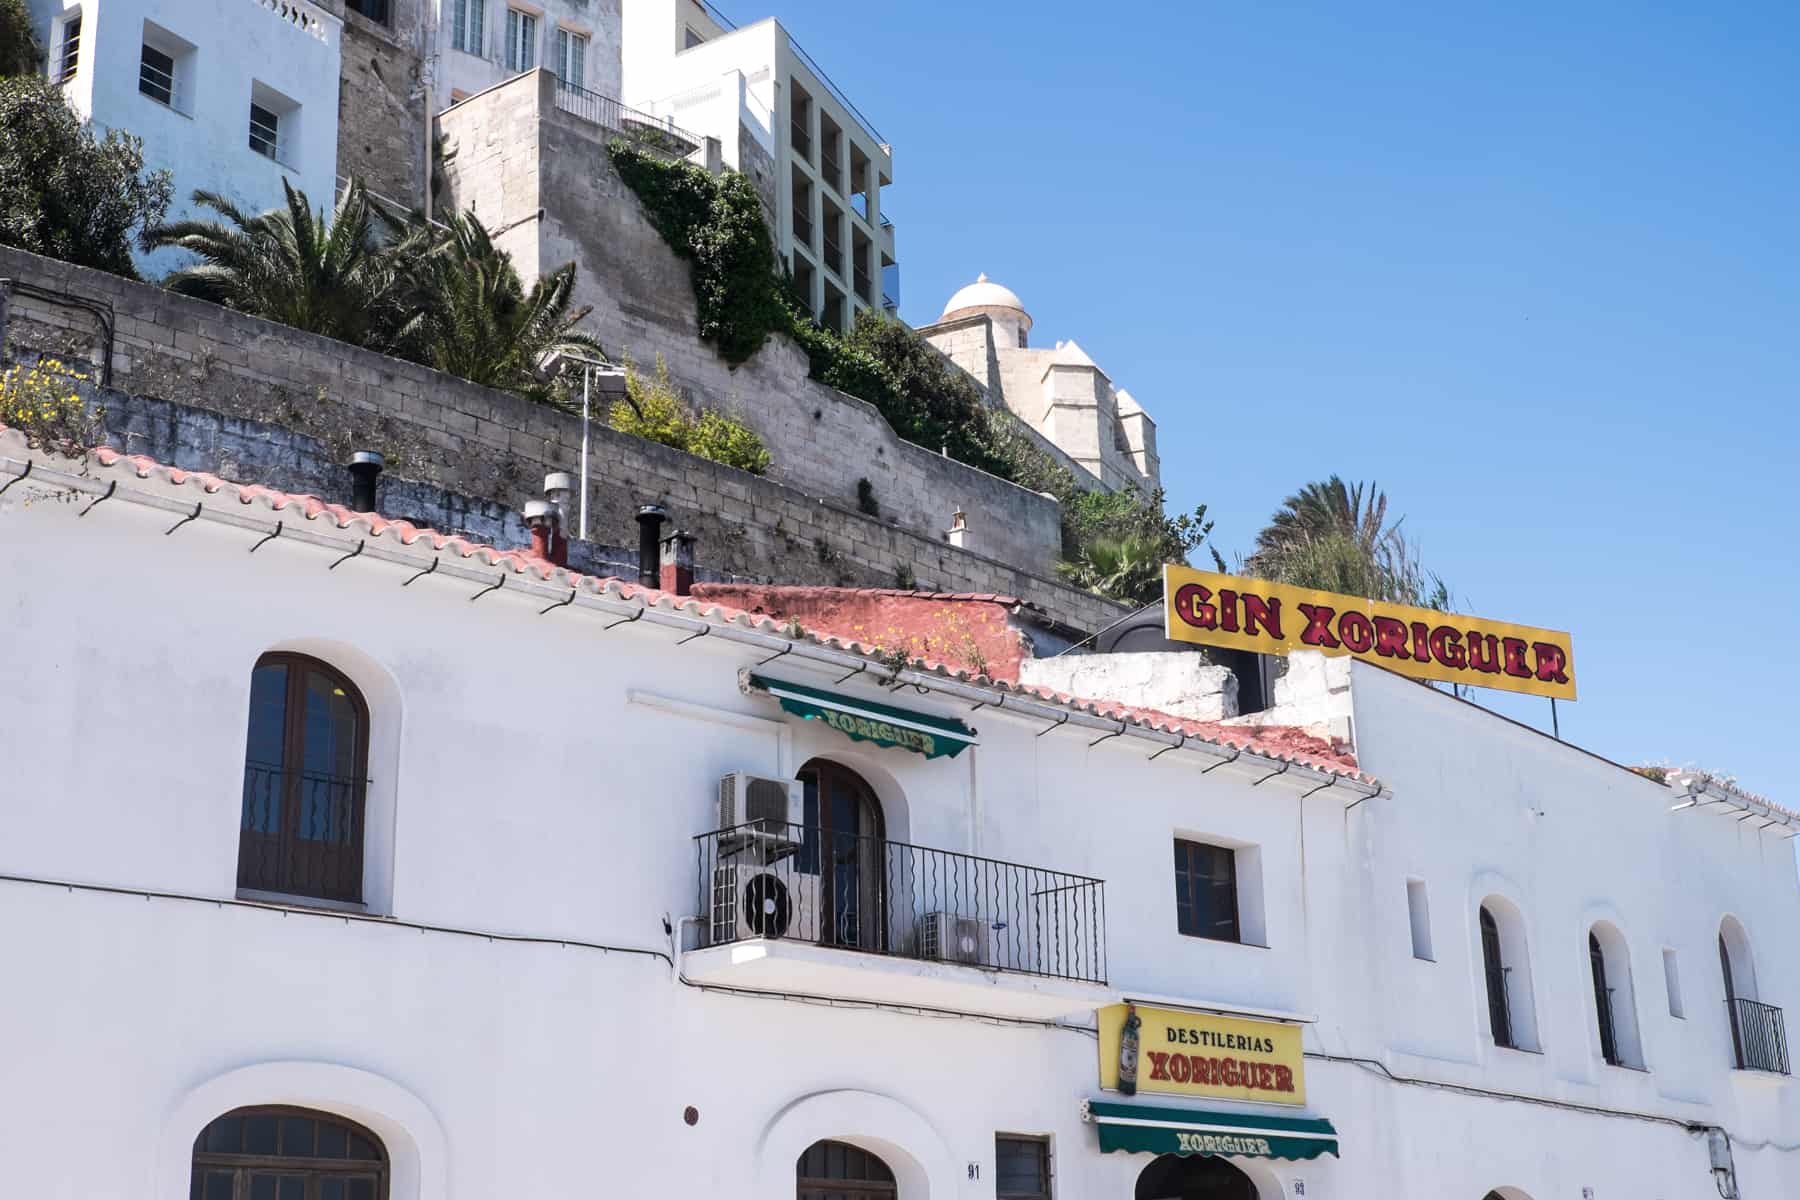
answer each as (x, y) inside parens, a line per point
(1201, 1055)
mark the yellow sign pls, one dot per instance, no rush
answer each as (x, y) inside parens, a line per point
(1199, 1054)
(1273, 618)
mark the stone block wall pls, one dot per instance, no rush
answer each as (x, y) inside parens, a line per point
(543, 177)
(382, 103)
(481, 444)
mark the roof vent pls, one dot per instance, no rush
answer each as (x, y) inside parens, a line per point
(365, 470)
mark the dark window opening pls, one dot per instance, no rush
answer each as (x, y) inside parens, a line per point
(842, 845)
(1603, 1002)
(287, 1154)
(156, 75)
(1206, 891)
(69, 60)
(840, 1171)
(305, 773)
(375, 10)
(1021, 1168)
(265, 131)
(1499, 1012)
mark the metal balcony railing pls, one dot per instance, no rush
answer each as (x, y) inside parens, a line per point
(834, 256)
(868, 894)
(1759, 1035)
(800, 141)
(862, 286)
(301, 833)
(803, 230)
(641, 130)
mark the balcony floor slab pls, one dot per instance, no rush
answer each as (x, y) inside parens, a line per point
(801, 968)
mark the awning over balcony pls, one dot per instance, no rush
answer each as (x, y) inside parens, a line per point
(868, 721)
(1152, 1129)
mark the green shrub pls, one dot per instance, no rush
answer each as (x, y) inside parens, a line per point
(653, 410)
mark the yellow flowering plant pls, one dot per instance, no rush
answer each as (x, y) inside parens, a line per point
(42, 400)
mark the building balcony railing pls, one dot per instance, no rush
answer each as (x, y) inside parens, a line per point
(1759, 1036)
(818, 888)
(639, 129)
(800, 141)
(803, 229)
(832, 172)
(834, 256)
(301, 833)
(862, 286)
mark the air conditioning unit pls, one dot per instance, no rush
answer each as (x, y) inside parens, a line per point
(775, 807)
(752, 901)
(947, 937)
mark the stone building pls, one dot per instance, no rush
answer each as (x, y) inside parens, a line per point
(1060, 392)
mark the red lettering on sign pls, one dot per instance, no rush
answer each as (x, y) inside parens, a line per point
(1390, 637)
(1318, 626)
(1228, 1072)
(1265, 1076)
(1159, 1064)
(1192, 607)
(1357, 633)
(1284, 1079)
(1552, 663)
(1180, 1069)
(1447, 647)
(1484, 652)
(1515, 658)
(1266, 613)
(1228, 602)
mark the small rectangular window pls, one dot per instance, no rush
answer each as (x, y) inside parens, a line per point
(468, 21)
(375, 10)
(521, 40)
(1672, 982)
(1206, 891)
(68, 58)
(1419, 909)
(1021, 1168)
(693, 39)
(265, 131)
(156, 75)
(571, 57)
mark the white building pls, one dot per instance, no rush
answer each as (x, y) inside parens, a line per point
(475, 44)
(1059, 391)
(352, 860)
(232, 96)
(817, 160)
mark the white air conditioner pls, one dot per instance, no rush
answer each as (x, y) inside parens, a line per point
(753, 901)
(775, 807)
(947, 937)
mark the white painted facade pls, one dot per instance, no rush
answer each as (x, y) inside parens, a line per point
(183, 75)
(538, 775)
(754, 89)
(475, 44)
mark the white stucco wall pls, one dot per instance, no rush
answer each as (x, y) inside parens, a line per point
(530, 776)
(229, 51)
(460, 72)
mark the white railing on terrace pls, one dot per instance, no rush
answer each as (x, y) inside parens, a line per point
(305, 17)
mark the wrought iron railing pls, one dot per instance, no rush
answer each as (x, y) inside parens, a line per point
(301, 833)
(641, 130)
(852, 892)
(1759, 1035)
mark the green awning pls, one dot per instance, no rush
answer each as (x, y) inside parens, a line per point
(1152, 1129)
(867, 721)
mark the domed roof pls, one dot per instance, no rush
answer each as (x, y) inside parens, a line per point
(983, 293)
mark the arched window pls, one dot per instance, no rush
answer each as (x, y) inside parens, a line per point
(305, 777)
(287, 1154)
(1506, 970)
(845, 846)
(1615, 1004)
(840, 1171)
(1758, 1033)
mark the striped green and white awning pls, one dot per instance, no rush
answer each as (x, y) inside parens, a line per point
(869, 721)
(1153, 1129)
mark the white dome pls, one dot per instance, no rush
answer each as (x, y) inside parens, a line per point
(983, 294)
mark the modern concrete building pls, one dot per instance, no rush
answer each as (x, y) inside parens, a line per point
(232, 96)
(344, 859)
(818, 162)
(1059, 391)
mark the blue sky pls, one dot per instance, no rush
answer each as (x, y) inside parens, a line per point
(1534, 267)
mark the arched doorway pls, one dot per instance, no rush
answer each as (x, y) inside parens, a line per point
(275, 1153)
(844, 844)
(839, 1171)
(1193, 1177)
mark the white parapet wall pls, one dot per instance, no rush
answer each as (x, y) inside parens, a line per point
(1177, 682)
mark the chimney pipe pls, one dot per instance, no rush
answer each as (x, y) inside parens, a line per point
(365, 469)
(650, 520)
(678, 563)
(541, 516)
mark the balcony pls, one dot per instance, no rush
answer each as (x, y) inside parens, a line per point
(788, 908)
(640, 130)
(301, 833)
(1759, 1036)
(800, 141)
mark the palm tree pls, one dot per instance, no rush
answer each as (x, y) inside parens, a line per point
(1129, 570)
(292, 265)
(1335, 536)
(472, 317)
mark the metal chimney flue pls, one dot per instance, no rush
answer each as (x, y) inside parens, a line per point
(365, 470)
(650, 520)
